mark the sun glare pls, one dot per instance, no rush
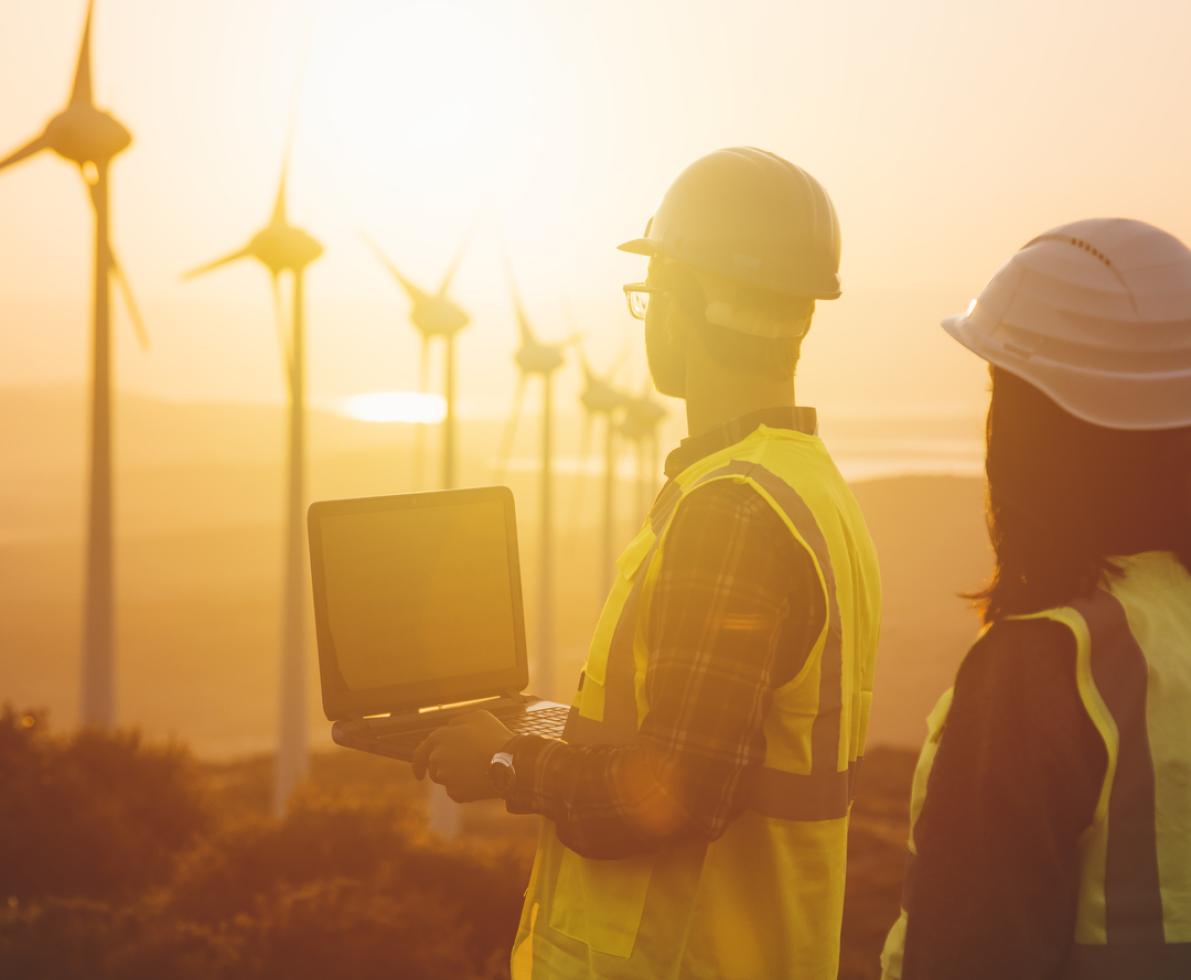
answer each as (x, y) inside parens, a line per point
(396, 406)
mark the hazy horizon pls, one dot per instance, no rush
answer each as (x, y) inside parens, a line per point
(947, 135)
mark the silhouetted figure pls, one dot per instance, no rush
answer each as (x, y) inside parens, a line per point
(697, 810)
(1051, 817)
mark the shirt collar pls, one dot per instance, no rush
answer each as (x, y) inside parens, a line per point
(694, 448)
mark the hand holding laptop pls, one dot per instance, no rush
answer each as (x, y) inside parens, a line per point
(458, 756)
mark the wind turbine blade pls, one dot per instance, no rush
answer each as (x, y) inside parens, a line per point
(283, 338)
(524, 327)
(589, 375)
(240, 253)
(80, 94)
(33, 146)
(569, 316)
(576, 336)
(506, 441)
(280, 214)
(279, 211)
(415, 294)
(454, 266)
(134, 312)
(420, 431)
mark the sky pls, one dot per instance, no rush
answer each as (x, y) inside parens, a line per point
(948, 134)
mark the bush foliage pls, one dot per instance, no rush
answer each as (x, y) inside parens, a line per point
(120, 860)
(126, 861)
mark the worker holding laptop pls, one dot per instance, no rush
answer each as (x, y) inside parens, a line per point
(696, 807)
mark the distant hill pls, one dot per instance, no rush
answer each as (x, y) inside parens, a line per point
(198, 510)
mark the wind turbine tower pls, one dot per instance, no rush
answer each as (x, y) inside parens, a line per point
(91, 138)
(538, 359)
(434, 315)
(283, 247)
(601, 400)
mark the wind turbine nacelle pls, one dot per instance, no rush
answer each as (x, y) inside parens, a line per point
(539, 359)
(439, 316)
(84, 134)
(285, 248)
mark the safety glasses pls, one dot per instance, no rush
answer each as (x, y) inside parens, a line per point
(637, 295)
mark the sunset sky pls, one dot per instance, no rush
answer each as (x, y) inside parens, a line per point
(947, 133)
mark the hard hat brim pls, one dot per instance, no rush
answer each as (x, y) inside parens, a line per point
(1151, 406)
(640, 246)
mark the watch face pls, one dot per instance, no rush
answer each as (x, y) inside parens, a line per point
(502, 775)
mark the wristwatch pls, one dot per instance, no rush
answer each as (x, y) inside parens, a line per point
(502, 772)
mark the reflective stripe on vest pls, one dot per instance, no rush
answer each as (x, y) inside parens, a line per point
(1133, 917)
(766, 898)
(1132, 897)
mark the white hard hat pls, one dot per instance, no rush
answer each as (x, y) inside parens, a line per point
(1096, 314)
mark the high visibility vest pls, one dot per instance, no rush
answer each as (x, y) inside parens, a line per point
(765, 900)
(1133, 673)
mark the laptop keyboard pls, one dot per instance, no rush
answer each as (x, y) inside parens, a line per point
(544, 721)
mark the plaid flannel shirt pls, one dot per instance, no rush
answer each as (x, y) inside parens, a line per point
(734, 614)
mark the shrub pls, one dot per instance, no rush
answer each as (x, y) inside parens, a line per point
(84, 939)
(93, 815)
(255, 858)
(343, 928)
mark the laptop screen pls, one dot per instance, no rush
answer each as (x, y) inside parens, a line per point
(417, 599)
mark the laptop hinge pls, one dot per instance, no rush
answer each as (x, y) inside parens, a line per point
(420, 715)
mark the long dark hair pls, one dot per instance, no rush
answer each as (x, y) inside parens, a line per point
(1066, 496)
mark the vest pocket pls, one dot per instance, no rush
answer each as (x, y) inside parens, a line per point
(599, 903)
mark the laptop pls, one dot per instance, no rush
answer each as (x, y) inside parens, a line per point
(417, 607)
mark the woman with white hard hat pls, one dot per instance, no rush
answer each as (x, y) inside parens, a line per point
(1051, 812)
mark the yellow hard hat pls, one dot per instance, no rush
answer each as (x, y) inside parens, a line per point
(752, 216)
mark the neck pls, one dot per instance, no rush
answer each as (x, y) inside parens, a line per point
(715, 401)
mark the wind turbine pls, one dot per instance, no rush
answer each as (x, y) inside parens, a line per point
(642, 417)
(601, 400)
(91, 138)
(536, 358)
(434, 315)
(283, 247)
